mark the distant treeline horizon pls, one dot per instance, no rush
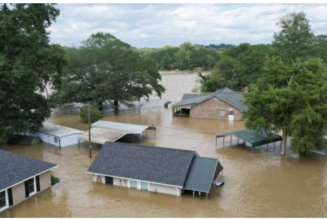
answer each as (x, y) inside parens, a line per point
(189, 56)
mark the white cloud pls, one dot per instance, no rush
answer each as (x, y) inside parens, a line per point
(156, 25)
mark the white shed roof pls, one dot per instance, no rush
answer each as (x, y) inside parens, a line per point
(58, 130)
(129, 128)
(101, 135)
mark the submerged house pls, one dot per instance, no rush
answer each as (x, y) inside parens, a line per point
(58, 135)
(21, 177)
(156, 169)
(223, 104)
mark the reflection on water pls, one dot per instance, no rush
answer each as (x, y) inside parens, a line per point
(258, 184)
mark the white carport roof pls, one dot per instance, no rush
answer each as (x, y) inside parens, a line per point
(129, 128)
(102, 131)
(101, 135)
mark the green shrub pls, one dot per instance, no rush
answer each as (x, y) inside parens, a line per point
(95, 114)
(54, 180)
(49, 197)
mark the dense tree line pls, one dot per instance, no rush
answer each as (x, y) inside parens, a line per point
(240, 66)
(185, 57)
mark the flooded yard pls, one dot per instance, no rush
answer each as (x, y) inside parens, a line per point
(258, 184)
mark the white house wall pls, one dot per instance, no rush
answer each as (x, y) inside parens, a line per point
(153, 187)
(121, 182)
(171, 190)
(69, 140)
(50, 139)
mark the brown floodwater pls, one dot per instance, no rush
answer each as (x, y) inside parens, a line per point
(257, 184)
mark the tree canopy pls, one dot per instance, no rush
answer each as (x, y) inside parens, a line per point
(239, 67)
(185, 57)
(106, 70)
(290, 96)
(295, 39)
(27, 63)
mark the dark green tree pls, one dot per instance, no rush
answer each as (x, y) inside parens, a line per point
(319, 47)
(105, 69)
(291, 98)
(291, 94)
(27, 63)
(295, 38)
(239, 67)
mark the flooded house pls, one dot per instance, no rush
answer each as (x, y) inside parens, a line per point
(155, 169)
(21, 177)
(58, 135)
(224, 104)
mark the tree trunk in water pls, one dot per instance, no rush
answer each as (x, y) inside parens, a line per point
(100, 106)
(116, 106)
(284, 141)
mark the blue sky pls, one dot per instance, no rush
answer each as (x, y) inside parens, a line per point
(157, 25)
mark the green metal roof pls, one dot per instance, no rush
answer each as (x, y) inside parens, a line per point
(254, 137)
(201, 174)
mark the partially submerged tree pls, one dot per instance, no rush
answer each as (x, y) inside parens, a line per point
(90, 112)
(105, 69)
(27, 63)
(290, 98)
(291, 94)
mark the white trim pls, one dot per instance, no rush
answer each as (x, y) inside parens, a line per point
(119, 177)
(30, 177)
(34, 185)
(6, 199)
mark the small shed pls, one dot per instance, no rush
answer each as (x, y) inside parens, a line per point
(58, 135)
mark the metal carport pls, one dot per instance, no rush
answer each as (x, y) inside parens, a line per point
(252, 137)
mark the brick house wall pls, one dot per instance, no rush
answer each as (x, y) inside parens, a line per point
(213, 109)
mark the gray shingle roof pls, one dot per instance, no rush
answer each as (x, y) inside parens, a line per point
(201, 174)
(148, 163)
(225, 94)
(190, 101)
(188, 96)
(16, 168)
(231, 97)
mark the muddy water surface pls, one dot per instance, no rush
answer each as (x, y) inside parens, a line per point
(258, 184)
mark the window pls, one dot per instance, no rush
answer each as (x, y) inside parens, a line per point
(133, 184)
(55, 140)
(3, 200)
(222, 113)
(31, 186)
(144, 186)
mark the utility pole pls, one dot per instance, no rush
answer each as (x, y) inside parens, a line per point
(88, 118)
